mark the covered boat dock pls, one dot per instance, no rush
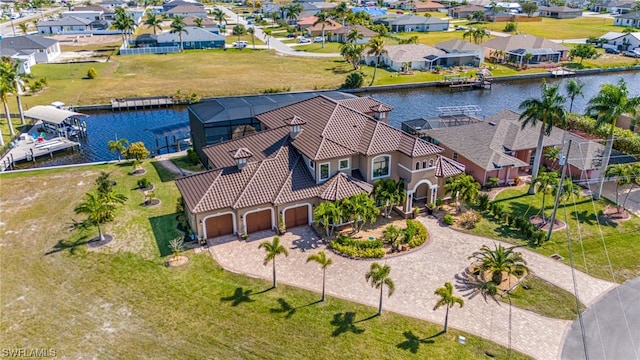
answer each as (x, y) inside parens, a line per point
(61, 122)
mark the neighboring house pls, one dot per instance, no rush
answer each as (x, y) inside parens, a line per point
(372, 11)
(497, 147)
(559, 12)
(107, 14)
(187, 10)
(630, 19)
(510, 7)
(498, 16)
(113, 4)
(316, 30)
(93, 14)
(193, 38)
(173, 3)
(464, 11)
(311, 151)
(422, 7)
(423, 57)
(474, 52)
(340, 34)
(44, 50)
(207, 23)
(227, 118)
(516, 47)
(623, 41)
(400, 23)
(69, 24)
(25, 59)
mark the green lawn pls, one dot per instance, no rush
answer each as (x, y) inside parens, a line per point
(431, 38)
(184, 163)
(620, 238)
(544, 298)
(577, 28)
(121, 301)
(329, 47)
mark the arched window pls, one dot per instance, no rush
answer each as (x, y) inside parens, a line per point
(431, 163)
(417, 165)
(424, 164)
(381, 166)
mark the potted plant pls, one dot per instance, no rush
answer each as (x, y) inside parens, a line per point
(430, 208)
(244, 236)
(416, 211)
(282, 228)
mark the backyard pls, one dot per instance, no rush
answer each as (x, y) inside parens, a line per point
(121, 301)
(578, 28)
(590, 255)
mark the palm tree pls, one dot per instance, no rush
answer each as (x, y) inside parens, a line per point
(479, 34)
(219, 16)
(118, 145)
(328, 213)
(464, 187)
(324, 261)
(293, 10)
(252, 31)
(323, 19)
(622, 173)
(546, 182)
(99, 208)
(178, 26)
(273, 249)
(154, 21)
(552, 154)
(352, 53)
(469, 33)
(574, 88)
(379, 277)
(391, 234)
(611, 102)
(388, 192)
(634, 175)
(24, 27)
(376, 48)
(198, 22)
(354, 35)
(549, 111)
(360, 209)
(123, 22)
(11, 72)
(500, 260)
(447, 299)
(6, 87)
(341, 11)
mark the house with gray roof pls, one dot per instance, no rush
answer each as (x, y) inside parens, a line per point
(340, 34)
(464, 11)
(408, 23)
(629, 19)
(193, 38)
(475, 53)
(44, 50)
(516, 47)
(314, 150)
(67, 24)
(497, 147)
(622, 41)
(559, 12)
(187, 10)
(407, 57)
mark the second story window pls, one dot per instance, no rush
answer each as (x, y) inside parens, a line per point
(431, 163)
(343, 164)
(381, 166)
(324, 171)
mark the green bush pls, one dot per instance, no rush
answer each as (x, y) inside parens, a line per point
(192, 156)
(357, 248)
(143, 183)
(492, 182)
(625, 141)
(92, 73)
(448, 219)
(510, 27)
(418, 231)
(354, 80)
(483, 202)
(438, 202)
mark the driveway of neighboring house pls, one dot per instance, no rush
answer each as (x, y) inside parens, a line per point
(416, 276)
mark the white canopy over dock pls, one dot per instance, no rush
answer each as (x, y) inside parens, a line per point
(51, 114)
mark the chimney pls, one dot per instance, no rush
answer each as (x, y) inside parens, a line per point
(379, 113)
(241, 155)
(295, 126)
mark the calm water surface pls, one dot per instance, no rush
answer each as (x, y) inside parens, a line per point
(408, 104)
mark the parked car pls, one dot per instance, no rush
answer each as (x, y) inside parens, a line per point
(304, 40)
(399, 12)
(240, 44)
(460, 28)
(318, 39)
(291, 36)
(611, 51)
(632, 54)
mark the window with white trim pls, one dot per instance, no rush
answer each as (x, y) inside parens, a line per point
(324, 171)
(343, 164)
(381, 167)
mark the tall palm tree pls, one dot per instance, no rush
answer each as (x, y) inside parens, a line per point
(389, 192)
(463, 187)
(198, 22)
(352, 53)
(622, 174)
(549, 110)
(123, 22)
(378, 276)
(24, 27)
(341, 11)
(546, 182)
(500, 260)
(218, 15)
(178, 27)
(611, 102)
(99, 209)
(252, 31)
(479, 34)
(293, 10)
(574, 88)
(323, 20)
(153, 21)
(354, 35)
(447, 299)
(16, 80)
(324, 261)
(118, 146)
(6, 88)
(273, 249)
(328, 213)
(376, 48)
(552, 154)
(361, 209)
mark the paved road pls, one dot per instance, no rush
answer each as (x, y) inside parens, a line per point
(612, 327)
(417, 275)
(6, 29)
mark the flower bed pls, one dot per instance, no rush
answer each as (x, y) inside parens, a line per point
(368, 249)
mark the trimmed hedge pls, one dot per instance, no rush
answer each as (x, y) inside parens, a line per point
(416, 233)
(357, 248)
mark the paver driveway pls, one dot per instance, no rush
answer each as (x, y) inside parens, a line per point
(416, 276)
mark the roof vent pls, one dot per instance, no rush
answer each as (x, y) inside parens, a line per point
(295, 126)
(492, 123)
(241, 156)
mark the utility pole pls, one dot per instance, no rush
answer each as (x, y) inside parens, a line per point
(564, 161)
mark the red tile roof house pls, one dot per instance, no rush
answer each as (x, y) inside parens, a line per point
(497, 147)
(311, 151)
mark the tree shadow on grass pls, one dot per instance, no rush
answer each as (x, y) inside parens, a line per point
(413, 342)
(286, 308)
(511, 198)
(239, 296)
(72, 246)
(344, 322)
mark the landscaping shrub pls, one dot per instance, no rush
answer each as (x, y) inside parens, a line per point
(357, 248)
(192, 156)
(419, 233)
(510, 27)
(448, 219)
(143, 183)
(92, 73)
(492, 182)
(499, 211)
(469, 219)
(438, 202)
(353, 80)
(483, 202)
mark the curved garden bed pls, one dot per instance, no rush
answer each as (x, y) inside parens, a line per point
(616, 214)
(545, 224)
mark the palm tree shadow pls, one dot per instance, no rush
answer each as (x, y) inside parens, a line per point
(471, 286)
(285, 308)
(239, 296)
(344, 322)
(72, 246)
(367, 319)
(412, 342)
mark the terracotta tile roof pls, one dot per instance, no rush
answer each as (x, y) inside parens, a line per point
(342, 186)
(242, 153)
(262, 145)
(366, 104)
(446, 167)
(345, 30)
(295, 120)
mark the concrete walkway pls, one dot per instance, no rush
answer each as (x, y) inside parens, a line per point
(416, 276)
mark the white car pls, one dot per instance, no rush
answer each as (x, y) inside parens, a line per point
(303, 40)
(240, 44)
(318, 39)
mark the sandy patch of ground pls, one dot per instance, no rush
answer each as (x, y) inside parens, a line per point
(83, 40)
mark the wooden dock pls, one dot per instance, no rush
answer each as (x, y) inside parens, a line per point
(28, 149)
(141, 103)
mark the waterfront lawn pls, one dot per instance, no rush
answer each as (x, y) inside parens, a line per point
(184, 163)
(578, 28)
(544, 298)
(589, 254)
(121, 301)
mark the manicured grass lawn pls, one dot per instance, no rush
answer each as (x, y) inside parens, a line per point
(431, 38)
(544, 298)
(329, 47)
(121, 301)
(184, 163)
(589, 254)
(577, 28)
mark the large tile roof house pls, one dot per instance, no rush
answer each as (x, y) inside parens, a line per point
(517, 46)
(424, 57)
(310, 151)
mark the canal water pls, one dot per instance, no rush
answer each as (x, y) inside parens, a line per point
(408, 104)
